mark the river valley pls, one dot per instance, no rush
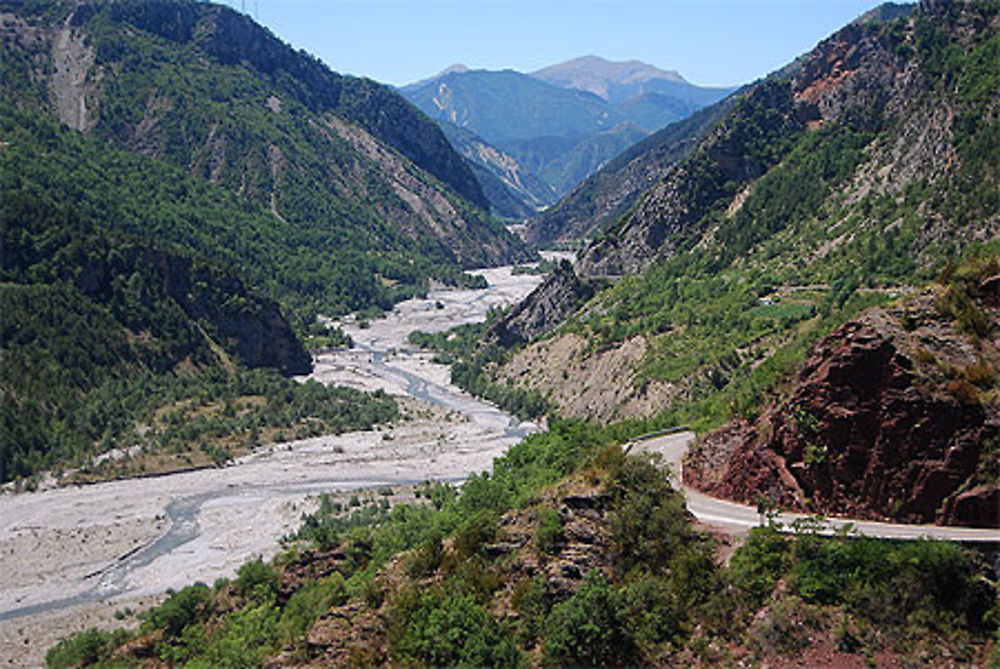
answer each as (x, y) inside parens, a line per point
(73, 556)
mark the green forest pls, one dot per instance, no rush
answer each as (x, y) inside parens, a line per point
(774, 235)
(118, 300)
(192, 230)
(162, 271)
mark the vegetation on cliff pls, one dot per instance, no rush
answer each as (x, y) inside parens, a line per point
(568, 553)
(895, 414)
(175, 183)
(119, 300)
(843, 181)
(324, 171)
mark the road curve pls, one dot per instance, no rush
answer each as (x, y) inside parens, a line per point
(733, 518)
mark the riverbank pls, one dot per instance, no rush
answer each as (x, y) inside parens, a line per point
(107, 546)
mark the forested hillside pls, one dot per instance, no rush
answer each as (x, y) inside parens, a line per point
(846, 180)
(176, 183)
(368, 195)
(816, 272)
(608, 194)
(569, 554)
(119, 300)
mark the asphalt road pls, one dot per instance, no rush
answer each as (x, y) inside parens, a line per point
(733, 518)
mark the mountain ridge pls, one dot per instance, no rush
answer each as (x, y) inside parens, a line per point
(183, 195)
(562, 133)
(265, 126)
(840, 183)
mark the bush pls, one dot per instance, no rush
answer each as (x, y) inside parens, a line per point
(181, 609)
(757, 565)
(256, 580)
(549, 531)
(531, 599)
(889, 583)
(652, 612)
(590, 628)
(475, 533)
(84, 648)
(309, 603)
(249, 637)
(649, 524)
(448, 630)
(427, 557)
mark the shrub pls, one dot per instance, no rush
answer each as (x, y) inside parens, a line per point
(427, 557)
(256, 580)
(549, 531)
(531, 599)
(181, 609)
(651, 611)
(786, 626)
(757, 565)
(428, 627)
(475, 532)
(590, 628)
(249, 637)
(649, 524)
(84, 648)
(309, 603)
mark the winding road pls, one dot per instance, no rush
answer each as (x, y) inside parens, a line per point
(66, 552)
(733, 518)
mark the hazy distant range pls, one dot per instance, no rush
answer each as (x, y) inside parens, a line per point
(532, 137)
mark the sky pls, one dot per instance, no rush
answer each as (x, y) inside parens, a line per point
(710, 42)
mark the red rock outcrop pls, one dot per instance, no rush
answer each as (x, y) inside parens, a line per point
(895, 415)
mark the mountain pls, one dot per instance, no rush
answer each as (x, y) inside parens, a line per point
(372, 198)
(182, 194)
(648, 96)
(503, 106)
(611, 191)
(891, 416)
(777, 274)
(841, 183)
(514, 192)
(553, 125)
(100, 321)
(615, 82)
(563, 162)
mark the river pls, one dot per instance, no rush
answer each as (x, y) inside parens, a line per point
(66, 549)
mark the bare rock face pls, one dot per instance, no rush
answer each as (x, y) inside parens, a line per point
(575, 380)
(557, 296)
(893, 416)
(351, 635)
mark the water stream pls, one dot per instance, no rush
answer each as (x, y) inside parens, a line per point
(378, 348)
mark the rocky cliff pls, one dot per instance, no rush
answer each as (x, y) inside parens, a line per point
(895, 415)
(560, 293)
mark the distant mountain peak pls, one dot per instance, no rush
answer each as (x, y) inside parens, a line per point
(599, 76)
(457, 67)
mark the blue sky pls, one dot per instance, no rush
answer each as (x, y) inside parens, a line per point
(710, 42)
